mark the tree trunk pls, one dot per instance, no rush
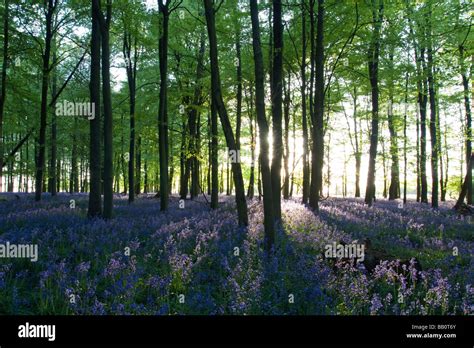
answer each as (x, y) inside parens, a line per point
(433, 116)
(104, 26)
(73, 181)
(221, 109)
(318, 114)
(268, 210)
(250, 190)
(131, 67)
(40, 161)
(95, 198)
(394, 190)
(373, 65)
(468, 130)
(405, 140)
(304, 117)
(214, 158)
(138, 164)
(286, 155)
(3, 92)
(162, 111)
(54, 129)
(421, 85)
(276, 97)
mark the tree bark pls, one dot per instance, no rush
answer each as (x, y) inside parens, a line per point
(131, 68)
(318, 114)
(104, 25)
(266, 175)
(221, 109)
(433, 116)
(276, 97)
(3, 92)
(468, 129)
(41, 156)
(163, 109)
(95, 198)
(394, 189)
(304, 117)
(373, 64)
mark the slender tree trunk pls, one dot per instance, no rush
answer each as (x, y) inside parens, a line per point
(293, 165)
(373, 65)
(421, 85)
(268, 210)
(468, 128)
(394, 190)
(358, 153)
(214, 158)
(384, 168)
(138, 169)
(304, 116)
(405, 140)
(193, 149)
(3, 92)
(286, 135)
(73, 179)
(250, 190)
(276, 97)
(108, 174)
(131, 67)
(95, 198)
(162, 112)
(221, 109)
(54, 131)
(318, 114)
(433, 116)
(40, 161)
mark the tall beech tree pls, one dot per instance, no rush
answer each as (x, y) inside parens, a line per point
(50, 9)
(3, 91)
(318, 113)
(131, 55)
(222, 111)
(433, 111)
(165, 9)
(95, 197)
(108, 174)
(277, 98)
(373, 67)
(269, 222)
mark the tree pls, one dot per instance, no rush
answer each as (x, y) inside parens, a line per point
(373, 66)
(318, 114)
(433, 114)
(51, 6)
(268, 209)
(104, 27)
(277, 97)
(222, 111)
(95, 197)
(394, 190)
(165, 9)
(131, 55)
(468, 131)
(304, 120)
(3, 91)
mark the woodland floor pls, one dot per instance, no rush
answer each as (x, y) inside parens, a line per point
(186, 261)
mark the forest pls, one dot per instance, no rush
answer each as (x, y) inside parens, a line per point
(240, 157)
